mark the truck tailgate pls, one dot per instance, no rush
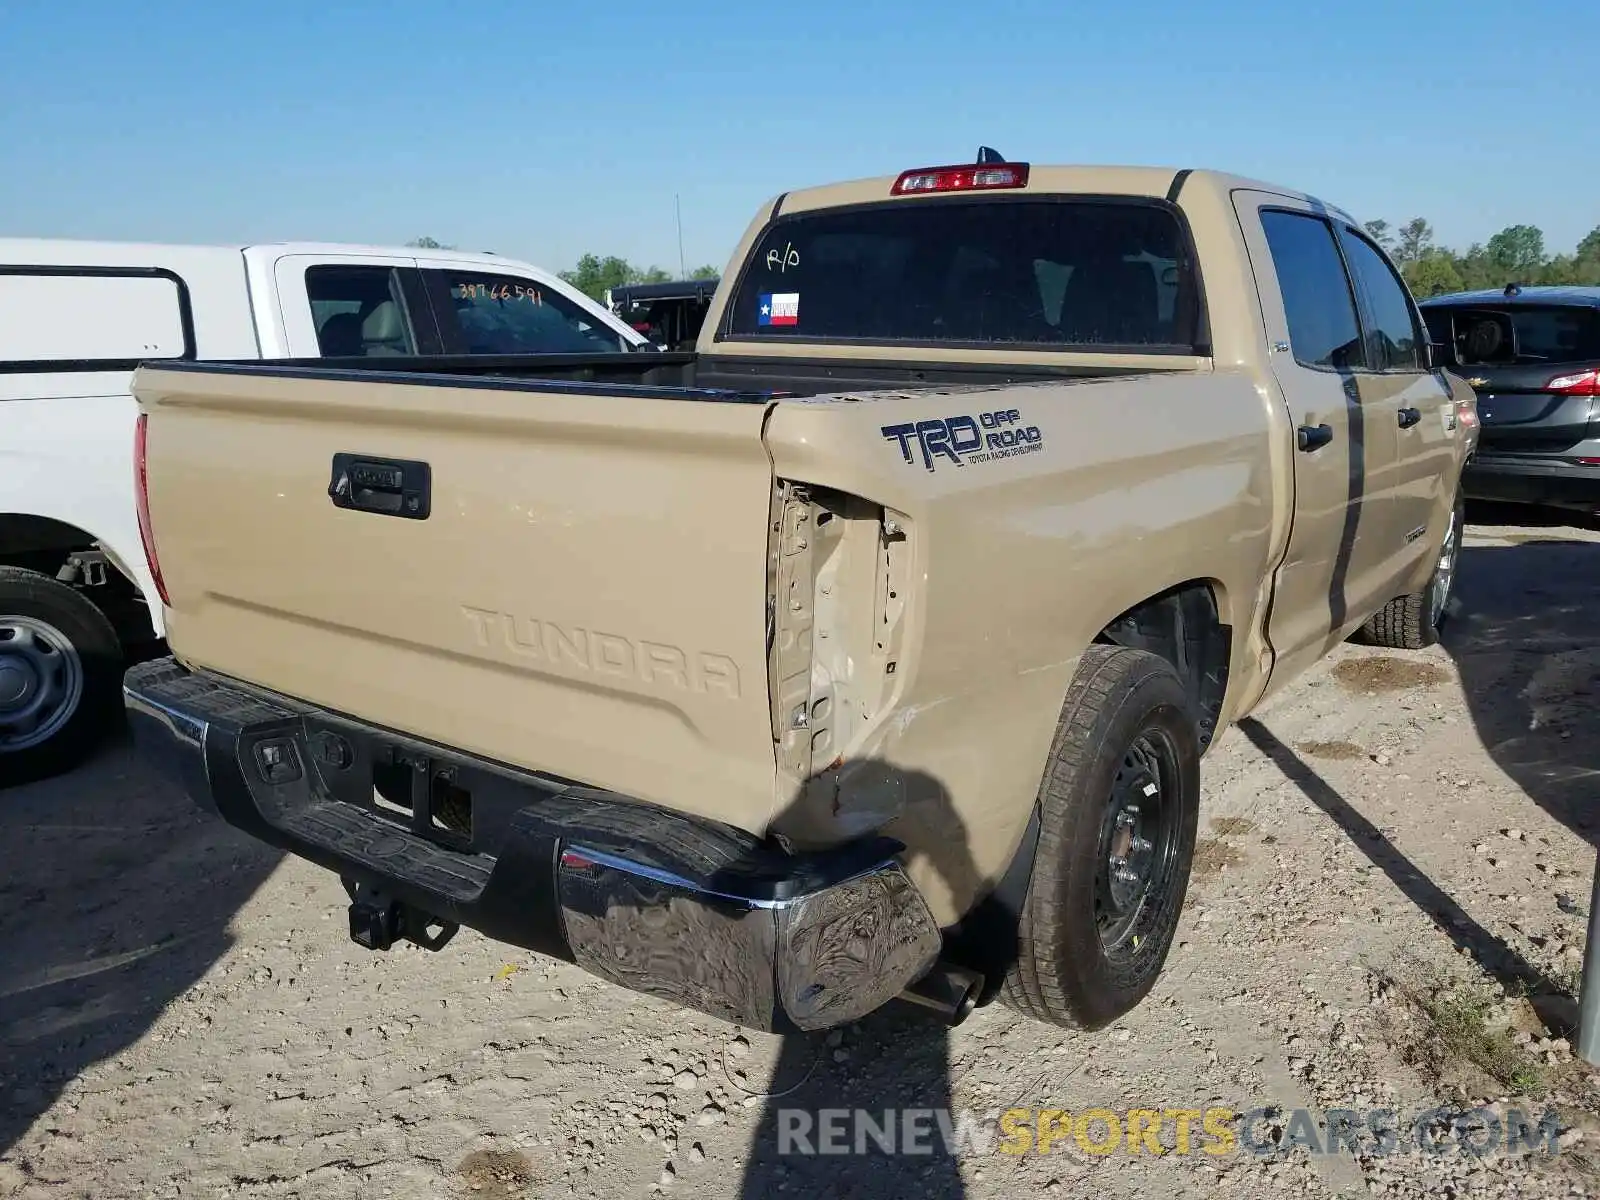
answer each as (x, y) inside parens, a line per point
(586, 595)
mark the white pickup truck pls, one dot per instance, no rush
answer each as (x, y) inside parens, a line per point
(76, 317)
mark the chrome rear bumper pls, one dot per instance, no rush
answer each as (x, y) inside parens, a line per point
(696, 913)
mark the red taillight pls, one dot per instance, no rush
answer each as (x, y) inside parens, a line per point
(987, 177)
(1584, 383)
(142, 494)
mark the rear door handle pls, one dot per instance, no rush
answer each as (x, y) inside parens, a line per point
(386, 487)
(1409, 417)
(1313, 437)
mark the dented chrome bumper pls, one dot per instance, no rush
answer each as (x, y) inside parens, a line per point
(822, 956)
(691, 911)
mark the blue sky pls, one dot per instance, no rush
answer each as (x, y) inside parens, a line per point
(543, 129)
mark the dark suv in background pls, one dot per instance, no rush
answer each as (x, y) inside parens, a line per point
(1533, 356)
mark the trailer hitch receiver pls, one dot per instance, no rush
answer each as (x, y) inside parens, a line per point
(378, 921)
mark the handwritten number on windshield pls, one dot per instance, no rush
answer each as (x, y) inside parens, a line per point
(500, 291)
(789, 257)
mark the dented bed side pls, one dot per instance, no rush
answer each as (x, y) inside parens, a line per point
(949, 610)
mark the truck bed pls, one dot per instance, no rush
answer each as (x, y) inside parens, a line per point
(536, 562)
(679, 374)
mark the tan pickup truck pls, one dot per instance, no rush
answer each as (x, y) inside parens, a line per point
(869, 651)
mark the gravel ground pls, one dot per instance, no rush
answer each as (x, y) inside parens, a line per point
(1395, 860)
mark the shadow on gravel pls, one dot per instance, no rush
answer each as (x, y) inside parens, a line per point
(1530, 516)
(895, 1064)
(1526, 641)
(115, 897)
(891, 1069)
(1495, 955)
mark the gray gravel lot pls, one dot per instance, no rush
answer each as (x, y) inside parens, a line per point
(181, 1013)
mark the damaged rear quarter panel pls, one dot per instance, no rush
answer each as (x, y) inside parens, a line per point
(1022, 550)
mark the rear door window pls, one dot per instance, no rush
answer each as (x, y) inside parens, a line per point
(1393, 339)
(1060, 274)
(359, 311)
(1317, 301)
(481, 313)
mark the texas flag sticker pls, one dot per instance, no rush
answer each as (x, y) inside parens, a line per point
(780, 308)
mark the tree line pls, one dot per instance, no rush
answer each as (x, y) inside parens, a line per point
(1514, 255)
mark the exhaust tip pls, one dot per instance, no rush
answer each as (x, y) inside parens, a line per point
(948, 990)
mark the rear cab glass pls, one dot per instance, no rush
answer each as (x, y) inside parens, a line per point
(1098, 273)
(1539, 333)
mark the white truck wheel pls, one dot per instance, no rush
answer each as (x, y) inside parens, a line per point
(60, 675)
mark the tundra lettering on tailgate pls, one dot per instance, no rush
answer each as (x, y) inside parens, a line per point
(574, 649)
(967, 439)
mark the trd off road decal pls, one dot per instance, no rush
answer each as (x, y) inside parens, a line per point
(966, 439)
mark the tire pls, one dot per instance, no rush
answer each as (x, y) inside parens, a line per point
(60, 676)
(1126, 723)
(1413, 622)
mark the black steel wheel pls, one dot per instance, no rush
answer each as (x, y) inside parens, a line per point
(1118, 808)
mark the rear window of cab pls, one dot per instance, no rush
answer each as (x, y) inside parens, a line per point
(1060, 273)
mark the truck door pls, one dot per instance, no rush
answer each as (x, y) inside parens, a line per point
(342, 305)
(1410, 401)
(1338, 558)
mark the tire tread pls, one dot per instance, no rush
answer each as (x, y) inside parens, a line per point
(99, 650)
(1105, 676)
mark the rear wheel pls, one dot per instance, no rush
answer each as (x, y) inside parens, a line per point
(60, 675)
(1119, 805)
(1413, 622)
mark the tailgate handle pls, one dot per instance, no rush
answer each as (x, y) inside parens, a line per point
(388, 487)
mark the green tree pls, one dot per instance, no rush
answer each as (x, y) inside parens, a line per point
(710, 272)
(1477, 268)
(1433, 274)
(593, 274)
(1586, 267)
(1517, 252)
(1379, 232)
(428, 243)
(1562, 269)
(1416, 239)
